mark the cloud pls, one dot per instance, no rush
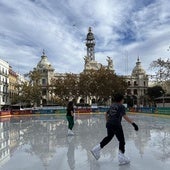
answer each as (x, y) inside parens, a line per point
(122, 29)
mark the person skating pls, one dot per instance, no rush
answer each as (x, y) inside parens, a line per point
(70, 117)
(113, 124)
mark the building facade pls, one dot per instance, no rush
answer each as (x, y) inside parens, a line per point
(46, 70)
(48, 73)
(137, 81)
(4, 83)
(13, 79)
(137, 84)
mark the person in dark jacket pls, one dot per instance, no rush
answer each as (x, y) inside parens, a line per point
(113, 124)
(70, 117)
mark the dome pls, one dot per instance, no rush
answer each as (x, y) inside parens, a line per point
(138, 70)
(44, 63)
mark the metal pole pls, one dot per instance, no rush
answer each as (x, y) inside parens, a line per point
(163, 100)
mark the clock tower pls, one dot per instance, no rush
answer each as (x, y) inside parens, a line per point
(90, 43)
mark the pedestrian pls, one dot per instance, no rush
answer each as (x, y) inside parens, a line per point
(113, 124)
(70, 117)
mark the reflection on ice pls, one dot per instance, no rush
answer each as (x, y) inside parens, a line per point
(40, 142)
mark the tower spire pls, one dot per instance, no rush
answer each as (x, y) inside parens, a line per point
(90, 43)
(43, 52)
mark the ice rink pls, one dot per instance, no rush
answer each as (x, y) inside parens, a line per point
(41, 143)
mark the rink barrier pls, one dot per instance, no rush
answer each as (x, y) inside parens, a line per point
(151, 110)
(84, 110)
(142, 109)
(163, 110)
(5, 114)
(49, 111)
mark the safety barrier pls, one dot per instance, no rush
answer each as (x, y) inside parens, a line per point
(99, 109)
(163, 110)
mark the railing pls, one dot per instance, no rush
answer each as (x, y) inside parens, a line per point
(163, 110)
(152, 110)
(87, 110)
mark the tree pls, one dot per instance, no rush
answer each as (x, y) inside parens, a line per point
(17, 98)
(162, 69)
(155, 92)
(29, 92)
(84, 84)
(65, 88)
(101, 84)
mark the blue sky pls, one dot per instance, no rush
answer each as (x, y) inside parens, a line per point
(123, 29)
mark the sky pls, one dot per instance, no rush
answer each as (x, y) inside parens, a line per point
(124, 30)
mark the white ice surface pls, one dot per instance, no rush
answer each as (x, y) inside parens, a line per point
(41, 143)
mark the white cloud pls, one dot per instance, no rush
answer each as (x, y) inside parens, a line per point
(60, 27)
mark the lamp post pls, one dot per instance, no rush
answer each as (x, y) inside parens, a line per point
(163, 98)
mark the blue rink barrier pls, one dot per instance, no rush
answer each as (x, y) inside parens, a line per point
(100, 109)
(49, 111)
(151, 110)
(146, 109)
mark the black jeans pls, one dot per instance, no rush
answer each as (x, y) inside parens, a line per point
(111, 131)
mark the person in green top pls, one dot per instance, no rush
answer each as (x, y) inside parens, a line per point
(70, 117)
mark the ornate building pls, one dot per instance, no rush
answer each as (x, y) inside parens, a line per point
(47, 73)
(137, 81)
(137, 84)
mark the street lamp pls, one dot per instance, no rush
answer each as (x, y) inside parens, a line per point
(163, 98)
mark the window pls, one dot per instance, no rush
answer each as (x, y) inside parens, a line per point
(135, 91)
(128, 91)
(135, 84)
(3, 98)
(43, 82)
(44, 92)
(144, 91)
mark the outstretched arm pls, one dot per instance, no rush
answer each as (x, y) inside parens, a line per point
(127, 119)
(131, 122)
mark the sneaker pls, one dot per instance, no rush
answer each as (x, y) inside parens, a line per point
(96, 151)
(123, 159)
(70, 132)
